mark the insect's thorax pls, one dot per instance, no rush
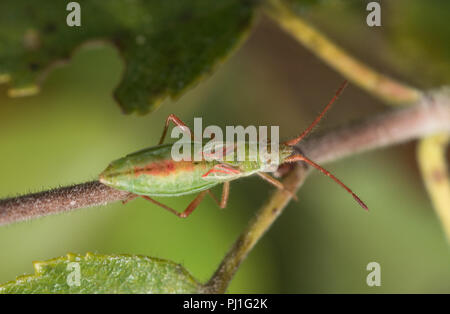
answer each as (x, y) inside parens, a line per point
(247, 157)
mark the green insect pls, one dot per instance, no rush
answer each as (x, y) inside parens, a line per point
(152, 172)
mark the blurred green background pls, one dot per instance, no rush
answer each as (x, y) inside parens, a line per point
(70, 131)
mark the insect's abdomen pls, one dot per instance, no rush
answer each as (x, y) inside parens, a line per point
(152, 172)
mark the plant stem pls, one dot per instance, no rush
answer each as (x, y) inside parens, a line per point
(58, 200)
(389, 90)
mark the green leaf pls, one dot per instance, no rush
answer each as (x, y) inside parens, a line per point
(419, 30)
(105, 274)
(166, 45)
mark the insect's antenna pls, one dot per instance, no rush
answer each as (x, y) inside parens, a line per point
(299, 157)
(318, 118)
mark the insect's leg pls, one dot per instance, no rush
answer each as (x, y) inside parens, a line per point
(129, 198)
(300, 157)
(177, 121)
(222, 168)
(225, 193)
(318, 118)
(191, 207)
(276, 183)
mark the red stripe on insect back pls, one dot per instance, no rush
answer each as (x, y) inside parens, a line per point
(162, 168)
